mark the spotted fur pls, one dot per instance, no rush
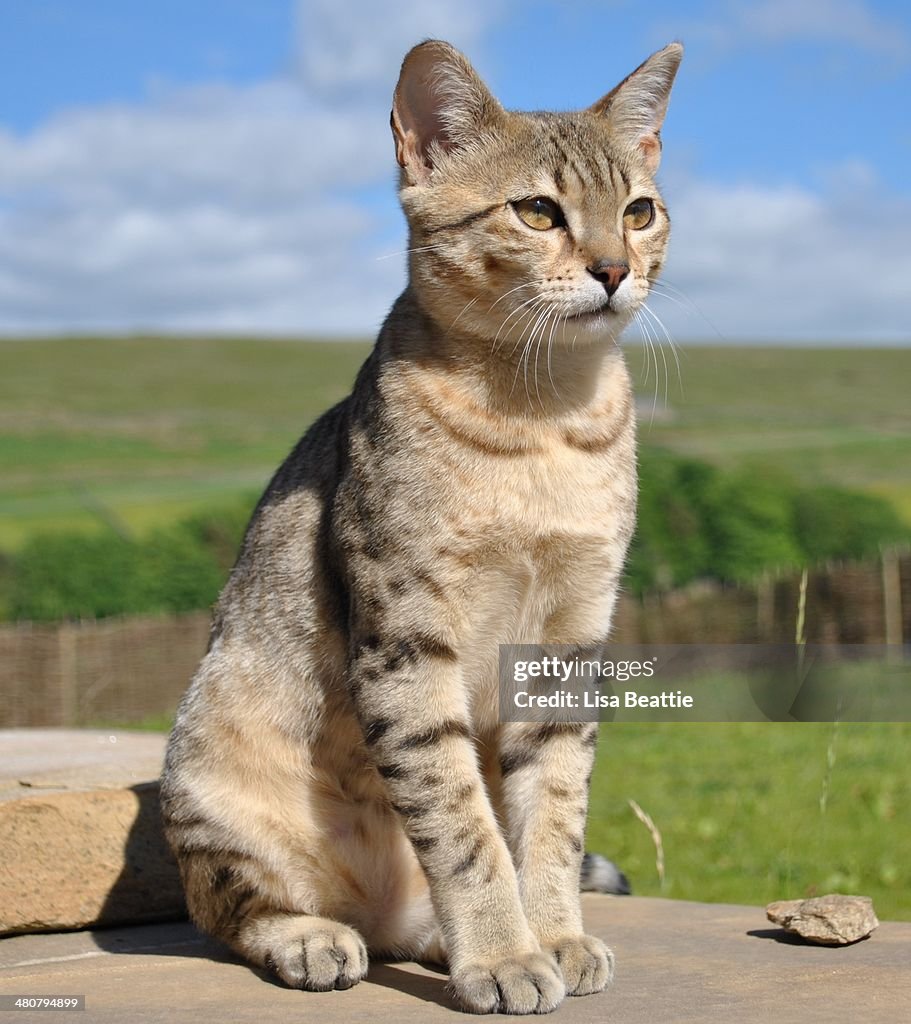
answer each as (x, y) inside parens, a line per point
(338, 781)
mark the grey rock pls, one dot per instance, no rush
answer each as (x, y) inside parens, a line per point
(832, 920)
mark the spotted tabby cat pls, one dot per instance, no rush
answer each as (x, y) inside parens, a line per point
(338, 781)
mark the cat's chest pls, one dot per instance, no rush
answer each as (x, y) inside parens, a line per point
(556, 490)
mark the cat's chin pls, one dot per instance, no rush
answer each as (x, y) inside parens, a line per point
(603, 322)
(605, 310)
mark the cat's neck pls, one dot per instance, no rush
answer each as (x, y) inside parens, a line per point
(540, 381)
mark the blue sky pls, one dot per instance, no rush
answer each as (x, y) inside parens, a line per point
(221, 165)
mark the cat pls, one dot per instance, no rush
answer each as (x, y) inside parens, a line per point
(337, 779)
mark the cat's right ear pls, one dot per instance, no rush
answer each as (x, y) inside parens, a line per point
(636, 107)
(440, 105)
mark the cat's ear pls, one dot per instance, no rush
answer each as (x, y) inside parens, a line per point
(440, 104)
(636, 107)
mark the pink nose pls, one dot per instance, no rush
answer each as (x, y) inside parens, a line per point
(610, 273)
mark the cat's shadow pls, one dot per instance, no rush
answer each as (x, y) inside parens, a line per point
(182, 940)
(392, 974)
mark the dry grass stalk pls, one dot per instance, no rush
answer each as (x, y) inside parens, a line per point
(646, 820)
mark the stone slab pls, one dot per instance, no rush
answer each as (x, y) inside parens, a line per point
(76, 760)
(80, 837)
(676, 962)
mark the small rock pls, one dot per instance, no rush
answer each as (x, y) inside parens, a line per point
(832, 920)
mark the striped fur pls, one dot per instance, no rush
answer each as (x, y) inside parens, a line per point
(337, 780)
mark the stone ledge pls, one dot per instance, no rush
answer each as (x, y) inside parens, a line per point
(676, 962)
(80, 837)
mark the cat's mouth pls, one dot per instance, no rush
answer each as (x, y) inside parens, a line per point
(605, 307)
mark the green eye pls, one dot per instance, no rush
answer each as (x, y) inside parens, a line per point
(539, 213)
(639, 214)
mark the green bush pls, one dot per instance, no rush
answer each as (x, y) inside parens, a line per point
(835, 523)
(61, 576)
(695, 521)
(749, 518)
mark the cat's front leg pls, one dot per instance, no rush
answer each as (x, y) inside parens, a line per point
(545, 771)
(411, 702)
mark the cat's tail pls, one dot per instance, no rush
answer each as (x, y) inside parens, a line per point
(602, 875)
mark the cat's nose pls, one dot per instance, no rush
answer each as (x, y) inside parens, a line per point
(610, 273)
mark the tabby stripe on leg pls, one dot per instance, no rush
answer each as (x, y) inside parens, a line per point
(375, 730)
(435, 734)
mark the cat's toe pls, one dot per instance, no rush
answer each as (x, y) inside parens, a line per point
(531, 983)
(326, 958)
(586, 963)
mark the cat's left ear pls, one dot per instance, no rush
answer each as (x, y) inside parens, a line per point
(440, 105)
(636, 107)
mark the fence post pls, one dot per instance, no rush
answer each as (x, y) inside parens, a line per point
(892, 596)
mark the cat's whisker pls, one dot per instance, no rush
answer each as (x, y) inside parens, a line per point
(664, 288)
(537, 352)
(519, 308)
(536, 311)
(525, 338)
(660, 350)
(647, 333)
(465, 309)
(536, 330)
(646, 354)
(541, 317)
(518, 287)
(550, 347)
(405, 252)
(530, 302)
(657, 319)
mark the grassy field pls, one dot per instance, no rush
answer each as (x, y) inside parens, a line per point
(144, 430)
(753, 812)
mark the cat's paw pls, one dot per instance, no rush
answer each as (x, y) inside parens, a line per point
(320, 958)
(530, 983)
(586, 963)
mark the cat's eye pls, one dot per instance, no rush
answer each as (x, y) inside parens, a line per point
(639, 214)
(539, 213)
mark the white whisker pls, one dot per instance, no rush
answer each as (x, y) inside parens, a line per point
(465, 309)
(404, 252)
(657, 319)
(519, 308)
(664, 288)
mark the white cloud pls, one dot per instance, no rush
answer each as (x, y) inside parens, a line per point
(847, 21)
(342, 51)
(790, 263)
(223, 207)
(218, 206)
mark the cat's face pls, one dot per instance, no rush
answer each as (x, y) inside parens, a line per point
(530, 228)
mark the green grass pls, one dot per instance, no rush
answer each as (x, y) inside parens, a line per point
(738, 809)
(837, 415)
(144, 430)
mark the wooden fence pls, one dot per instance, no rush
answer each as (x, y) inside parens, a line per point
(123, 670)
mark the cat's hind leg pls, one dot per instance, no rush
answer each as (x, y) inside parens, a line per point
(232, 898)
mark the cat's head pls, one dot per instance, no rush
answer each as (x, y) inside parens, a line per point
(526, 223)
